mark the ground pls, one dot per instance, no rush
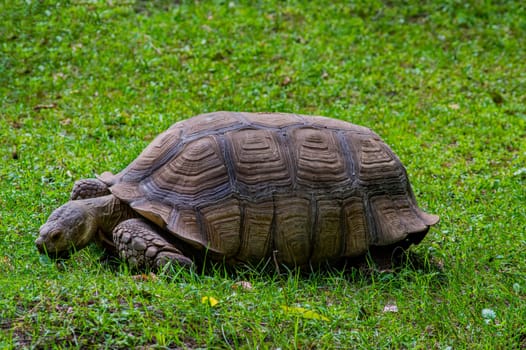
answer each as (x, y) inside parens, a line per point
(86, 85)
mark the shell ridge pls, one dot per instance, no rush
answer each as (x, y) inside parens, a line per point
(242, 213)
(226, 150)
(348, 153)
(314, 211)
(370, 219)
(273, 229)
(290, 160)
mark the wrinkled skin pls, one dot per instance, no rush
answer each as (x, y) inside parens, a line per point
(112, 224)
(79, 222)
(70, 227)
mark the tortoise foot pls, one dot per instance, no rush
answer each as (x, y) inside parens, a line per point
(141, 246)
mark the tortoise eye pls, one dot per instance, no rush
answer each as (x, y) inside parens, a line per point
(54, 235)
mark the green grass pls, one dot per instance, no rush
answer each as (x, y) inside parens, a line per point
(444, 83)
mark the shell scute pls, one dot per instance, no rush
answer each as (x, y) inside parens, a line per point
(319, 161)
(357, 236)
(222, 222)
(328, 238)
(256, 233)
(258, 159)
(198, 167)
(293, 225)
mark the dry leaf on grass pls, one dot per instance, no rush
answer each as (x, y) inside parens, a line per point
(42, 106)
(242, 285)
(391, 307)
(145, 277)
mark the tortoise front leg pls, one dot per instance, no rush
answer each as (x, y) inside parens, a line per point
(140, 244)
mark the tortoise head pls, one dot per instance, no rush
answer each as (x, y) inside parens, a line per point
(70, 227)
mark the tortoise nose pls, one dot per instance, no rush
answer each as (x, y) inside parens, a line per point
(39, 242)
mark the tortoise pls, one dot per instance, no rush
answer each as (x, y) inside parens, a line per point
(245, 188)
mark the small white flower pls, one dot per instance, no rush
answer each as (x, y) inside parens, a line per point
(488, 314)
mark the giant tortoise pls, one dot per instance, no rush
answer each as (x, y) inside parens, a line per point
(245, 188)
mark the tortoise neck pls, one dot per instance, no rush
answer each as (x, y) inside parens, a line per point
(108, 211)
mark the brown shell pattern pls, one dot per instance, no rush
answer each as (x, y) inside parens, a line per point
(246, 186)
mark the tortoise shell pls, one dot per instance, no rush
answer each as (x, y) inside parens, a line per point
(246, 185)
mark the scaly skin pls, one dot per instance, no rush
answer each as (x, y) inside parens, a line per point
(113, 225)
(80, 222)
(89, 188)
(139, 243)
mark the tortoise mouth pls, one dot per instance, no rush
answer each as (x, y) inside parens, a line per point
(55, 255)
(64, 255)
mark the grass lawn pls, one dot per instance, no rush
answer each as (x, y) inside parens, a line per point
(86, 85)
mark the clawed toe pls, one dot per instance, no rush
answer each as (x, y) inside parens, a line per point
(164, 258)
